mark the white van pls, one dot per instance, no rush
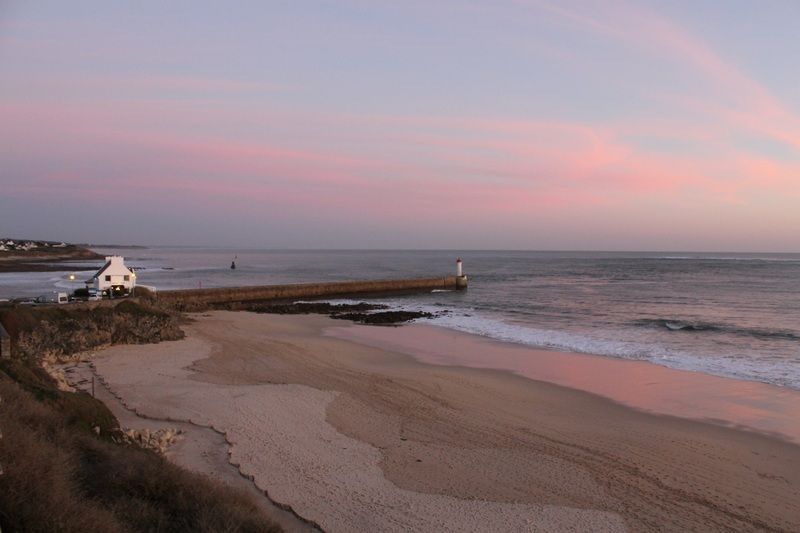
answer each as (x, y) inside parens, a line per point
(53, 298)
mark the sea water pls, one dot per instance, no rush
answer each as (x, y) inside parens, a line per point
(734, 315)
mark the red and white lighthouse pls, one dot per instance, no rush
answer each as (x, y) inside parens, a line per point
(459, 270)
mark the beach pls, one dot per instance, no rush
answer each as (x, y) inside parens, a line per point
(355, 430)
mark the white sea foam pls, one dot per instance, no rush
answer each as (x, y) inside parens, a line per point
(641, 347)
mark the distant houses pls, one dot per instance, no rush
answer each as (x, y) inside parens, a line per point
(11, 245)
(114, 277)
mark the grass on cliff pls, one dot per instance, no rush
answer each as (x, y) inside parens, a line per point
(58, 475)
(65, 330)
(21, 318)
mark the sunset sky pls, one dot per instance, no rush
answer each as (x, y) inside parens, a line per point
(412, 124)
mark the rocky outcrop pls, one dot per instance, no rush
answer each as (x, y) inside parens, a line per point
(362, 312)
(53, 367)
(158, 441)
(383, 317)
(304, 308)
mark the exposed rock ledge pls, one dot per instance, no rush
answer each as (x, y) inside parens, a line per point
(158, 441)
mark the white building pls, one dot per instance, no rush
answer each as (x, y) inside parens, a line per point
(114, 277)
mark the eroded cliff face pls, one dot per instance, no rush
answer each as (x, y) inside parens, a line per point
(57, 334)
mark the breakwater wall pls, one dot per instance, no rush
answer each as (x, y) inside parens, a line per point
(188, 298)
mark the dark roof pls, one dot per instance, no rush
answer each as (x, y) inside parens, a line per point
(97, 274)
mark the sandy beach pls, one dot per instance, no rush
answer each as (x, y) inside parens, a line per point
(355, 435)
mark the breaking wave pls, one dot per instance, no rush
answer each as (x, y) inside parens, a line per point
(689, 325)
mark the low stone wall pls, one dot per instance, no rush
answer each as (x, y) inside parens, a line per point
(180, 298)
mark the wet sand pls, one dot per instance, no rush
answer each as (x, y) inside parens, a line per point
(749, 405)
(358, 437)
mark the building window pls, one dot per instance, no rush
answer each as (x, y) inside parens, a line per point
(127, 278)
(108, 278)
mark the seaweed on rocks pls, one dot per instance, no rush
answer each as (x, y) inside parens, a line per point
(362, 312)
(383, 317)
(321, 308)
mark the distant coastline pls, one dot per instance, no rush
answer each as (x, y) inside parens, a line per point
(112, 246)
(22, 255)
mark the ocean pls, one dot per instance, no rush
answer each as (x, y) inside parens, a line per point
(732, 315)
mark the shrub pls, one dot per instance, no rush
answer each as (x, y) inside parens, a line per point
(58, 475)
(38, 490)
(80, 293)
(144, 294)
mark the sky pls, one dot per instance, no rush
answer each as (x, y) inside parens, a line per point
(504, 124)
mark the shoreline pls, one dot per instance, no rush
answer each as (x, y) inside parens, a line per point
(352, 436)
(736, 403)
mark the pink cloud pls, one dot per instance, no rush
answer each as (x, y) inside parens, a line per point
(434, 167)
(753, 106)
